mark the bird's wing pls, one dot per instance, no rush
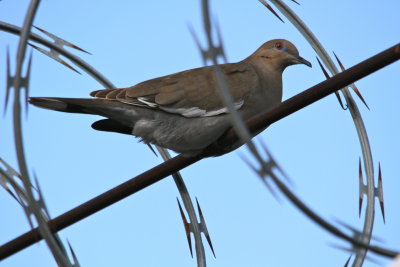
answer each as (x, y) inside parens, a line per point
(191, 93)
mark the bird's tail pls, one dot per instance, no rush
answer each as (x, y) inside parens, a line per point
(120, 112)
(119, 119)
(70, 105)
(107, 108)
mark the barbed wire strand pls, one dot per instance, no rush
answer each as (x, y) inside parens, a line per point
(357, 119)
(35, 207)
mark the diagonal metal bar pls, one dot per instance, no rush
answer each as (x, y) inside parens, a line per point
(179, 162)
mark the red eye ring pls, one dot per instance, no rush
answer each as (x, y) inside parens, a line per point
(278, 45)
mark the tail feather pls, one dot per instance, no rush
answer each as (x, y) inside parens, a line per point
(62, 104)
(120, 114)
(108, 125)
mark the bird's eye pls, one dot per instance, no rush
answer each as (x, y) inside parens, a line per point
(278, 45)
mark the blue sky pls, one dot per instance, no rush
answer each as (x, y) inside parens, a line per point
(132, 41)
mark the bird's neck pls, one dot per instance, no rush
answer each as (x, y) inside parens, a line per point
(269, 74)
(264, 68)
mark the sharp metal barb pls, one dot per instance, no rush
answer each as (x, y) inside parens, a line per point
(3, 183)
(351, 228)
(251, 166)
(296, 2)
(28, 212)
(204, 227)
(195, 228)
(323, 69)
(267, 169)
(274, 194)
(361, 187)
(187, 227)
(354, 250)
(357, 235)
(26, 83)
(197, 41)
(327, 77)
(76, 60)
(221, 50)
(356, 232)
(340, 101)
(355, 89)
(10, 81)
(216, 50)
(353, 86)
(207, 54)
(10, 170)
(74, 258)
(7, 177)
(275, 164)
(271, 9)
(40, 201)
(379, 193)
(54, 55)
(348, 260)
(59, 243)
(152, 149)
(11, 193)
(59, 41)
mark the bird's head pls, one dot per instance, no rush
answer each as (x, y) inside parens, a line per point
(278, 54)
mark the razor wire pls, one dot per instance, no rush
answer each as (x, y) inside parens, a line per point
(211, 53)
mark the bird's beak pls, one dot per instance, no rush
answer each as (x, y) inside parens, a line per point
(300, 60)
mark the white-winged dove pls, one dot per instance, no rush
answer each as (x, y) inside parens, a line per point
(183, 111)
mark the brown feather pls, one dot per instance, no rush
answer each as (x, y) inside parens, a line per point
(113, 94)
(121, 94)
(192, 88)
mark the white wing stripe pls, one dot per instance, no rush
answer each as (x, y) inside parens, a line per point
(197, 112)
(144, 100)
